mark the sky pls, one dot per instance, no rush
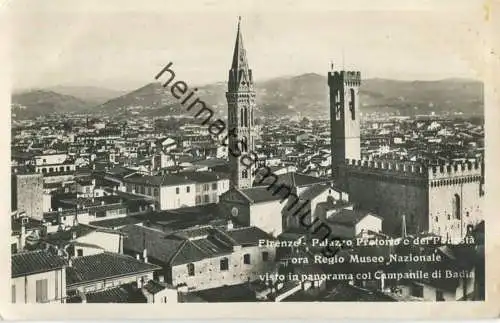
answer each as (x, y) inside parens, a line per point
(123, 44)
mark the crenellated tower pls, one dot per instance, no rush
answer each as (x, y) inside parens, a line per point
(241, 104)
(344, 117)
(445, 200)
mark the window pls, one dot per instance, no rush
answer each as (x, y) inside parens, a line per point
(352, 104)
(198, 199)
(338, 106)
(206, 187)
(190, 268)
(156, 192)
(246, 259)
(164, 300)
(467, 214)
(177, 190)
(143, 190)
(13, 248)
(224, 264)
(214, 186)
(265, 256)
(206, 198)
(79, 252)
(456, 206)
(188, 189)
(41, 291)
(149, 191)
(437, 219)
(244, 174)
(439, 296)
(13, 293)
(417, 291)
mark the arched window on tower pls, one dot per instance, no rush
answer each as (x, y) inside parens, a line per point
(456, 206)
(352, 104)
(246, 117)
(244, 173)
(241, 117)
(251, 117)
(338, 106)
(244, 144)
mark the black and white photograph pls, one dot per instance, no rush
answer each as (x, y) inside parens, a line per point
(243, 152)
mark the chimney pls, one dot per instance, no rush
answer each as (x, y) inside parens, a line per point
(230, 225)
(139, 282)
(138, 257)
(23, 234)
(73, 235)
(102, 202)
(382, 282)
(145, 255)
(403, 226)
(182, 289)
(82, 296)
(70, 262)
(161, 279)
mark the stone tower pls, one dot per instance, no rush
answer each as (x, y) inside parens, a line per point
(344, 118)
(241, 104)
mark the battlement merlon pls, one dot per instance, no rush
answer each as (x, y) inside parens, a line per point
(352, 78)
(456, 170)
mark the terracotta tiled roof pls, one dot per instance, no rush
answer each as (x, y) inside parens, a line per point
(28, 263)
(249, 236)
(121, 294)
(104, 265)
(154, 287)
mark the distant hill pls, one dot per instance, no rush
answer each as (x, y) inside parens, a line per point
(305, 94)
(91, 94)
(27, 105)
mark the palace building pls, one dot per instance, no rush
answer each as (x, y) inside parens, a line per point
(440, 199)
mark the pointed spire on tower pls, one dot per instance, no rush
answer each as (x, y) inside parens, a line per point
(239, 54)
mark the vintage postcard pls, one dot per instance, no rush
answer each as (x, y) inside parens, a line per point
(250, 159)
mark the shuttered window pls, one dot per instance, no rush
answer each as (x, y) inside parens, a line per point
(41, 291)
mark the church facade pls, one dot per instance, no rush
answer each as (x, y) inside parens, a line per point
(441, 199)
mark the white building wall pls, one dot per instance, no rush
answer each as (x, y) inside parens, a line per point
(369, 222)
(25, 287)
(267, 216)
(108, 241)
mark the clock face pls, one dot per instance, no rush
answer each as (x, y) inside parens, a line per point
(234, 211)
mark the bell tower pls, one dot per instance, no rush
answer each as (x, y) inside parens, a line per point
(241, 105)
(344, 117)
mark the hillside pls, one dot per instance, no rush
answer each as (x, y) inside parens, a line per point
(27, 105)
(306, 94)
(92, 94)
